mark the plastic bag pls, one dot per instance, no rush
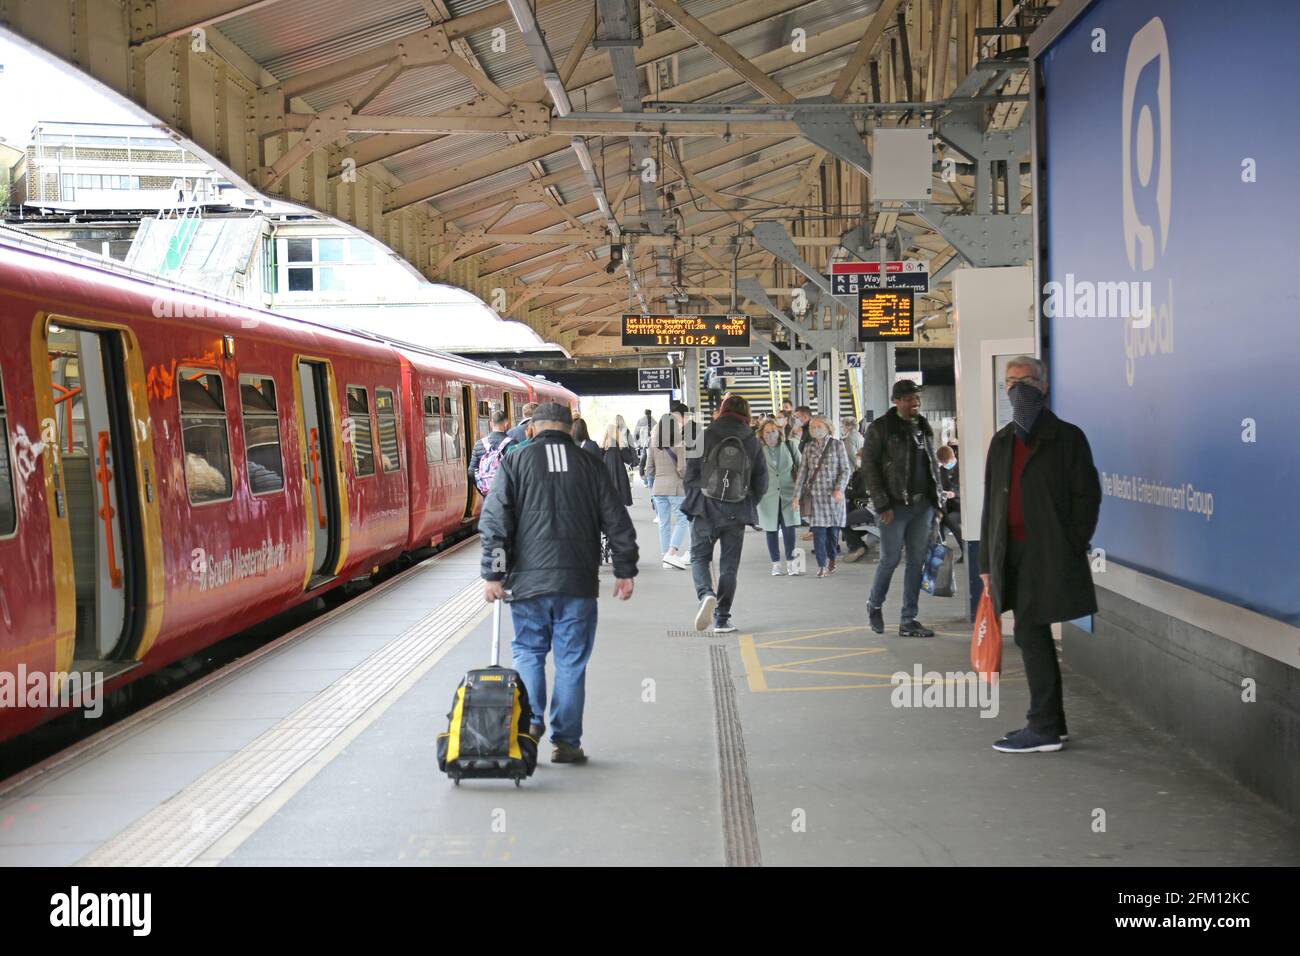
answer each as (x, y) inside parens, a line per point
(934, 559)
(986, 639)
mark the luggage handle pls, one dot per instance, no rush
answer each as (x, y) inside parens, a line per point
(496, 631)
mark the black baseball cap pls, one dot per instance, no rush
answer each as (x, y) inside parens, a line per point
(902, 388)
(553, 412)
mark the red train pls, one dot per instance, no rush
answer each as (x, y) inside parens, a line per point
(175, 468)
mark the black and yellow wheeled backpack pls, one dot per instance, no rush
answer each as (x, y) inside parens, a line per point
(488, 731)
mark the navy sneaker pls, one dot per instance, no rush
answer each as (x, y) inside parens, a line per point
(1011, 733)
(1028, 742)
(877, 619)
(914, 629)
(705, 613)
(723, 626)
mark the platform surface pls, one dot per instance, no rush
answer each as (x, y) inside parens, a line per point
(784, 735)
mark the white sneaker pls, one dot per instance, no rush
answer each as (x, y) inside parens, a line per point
(704, 617)
(778, 569)
(656, 519)
(677, 561)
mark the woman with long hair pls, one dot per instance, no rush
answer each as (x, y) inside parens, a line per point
(777, 514)
(618, 457)
(582, 438)
(820, 491)
(664, 468)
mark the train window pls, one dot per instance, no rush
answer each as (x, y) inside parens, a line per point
(8, 507)
(451, 429)
(432, 428)
(386, 410)
(261, 434)
(204, 435)
(363, 440)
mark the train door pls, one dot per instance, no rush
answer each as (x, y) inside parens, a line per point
(466, 437)
(92, 422)
(320, 470)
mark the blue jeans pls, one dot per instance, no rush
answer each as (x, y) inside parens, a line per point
(911, 526)
(672, 523)
(786, 532)
(824, 545)
(566, 627)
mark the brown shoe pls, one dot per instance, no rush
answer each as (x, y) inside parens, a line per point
(855, 555)
(563, 753)
(830, 568)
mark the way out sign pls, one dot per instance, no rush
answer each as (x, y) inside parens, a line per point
(654, 379)
(850, 278)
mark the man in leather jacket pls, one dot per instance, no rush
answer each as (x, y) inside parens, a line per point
(540, 532)
(904, 480)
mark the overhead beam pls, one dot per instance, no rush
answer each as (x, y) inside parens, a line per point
(724, 52)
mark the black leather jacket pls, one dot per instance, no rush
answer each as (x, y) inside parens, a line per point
(540, 527)
(889, 457)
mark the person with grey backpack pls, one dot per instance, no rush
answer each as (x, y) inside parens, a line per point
(726, 475)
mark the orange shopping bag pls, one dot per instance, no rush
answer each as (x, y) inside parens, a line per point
(986, 640)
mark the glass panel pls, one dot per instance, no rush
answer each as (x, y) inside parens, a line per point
(432, 438)
(201, 391)
(361, 250)
(363, 441)
(329, 250)
(389, 454)
(300, 280)
(298, 250)
(207, 458)
(261, 434)
(8, 508)
(451, 437)
(330, 280)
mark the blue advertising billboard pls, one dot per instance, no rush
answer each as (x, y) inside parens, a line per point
(1171, 287)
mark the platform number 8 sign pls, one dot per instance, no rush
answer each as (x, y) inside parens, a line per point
(713, 358)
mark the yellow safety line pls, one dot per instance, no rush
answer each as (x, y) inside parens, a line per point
(753, 668)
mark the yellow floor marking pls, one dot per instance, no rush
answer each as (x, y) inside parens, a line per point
(780, 669)
(828, 657)
(753, 669)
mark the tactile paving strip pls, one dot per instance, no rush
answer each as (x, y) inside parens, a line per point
(177, 832)
(739, 826)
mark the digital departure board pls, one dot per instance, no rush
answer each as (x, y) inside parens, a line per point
(885, 315)
(692, 331)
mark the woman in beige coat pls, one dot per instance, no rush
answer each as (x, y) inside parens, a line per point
(664, 467)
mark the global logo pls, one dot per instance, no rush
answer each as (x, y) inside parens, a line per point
(1147, 171)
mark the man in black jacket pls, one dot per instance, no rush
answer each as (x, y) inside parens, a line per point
(904, 482)
(489, 441)
(715, 520)
(540, 531)
(1042, 497)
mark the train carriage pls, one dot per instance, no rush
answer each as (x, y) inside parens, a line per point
(176, 468)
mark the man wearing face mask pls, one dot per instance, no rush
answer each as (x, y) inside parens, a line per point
(1041, 501)
(904, 481)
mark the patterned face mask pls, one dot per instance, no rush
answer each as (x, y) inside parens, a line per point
(1026, 404)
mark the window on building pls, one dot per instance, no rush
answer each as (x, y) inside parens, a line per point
(451, 428)
(270, 274)
(8, 507)
(432, 428)
(386, 412)
(326, 264)
(261, 433)
(298, 250)
(363, 439)
(204, 435)
(484, 418)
